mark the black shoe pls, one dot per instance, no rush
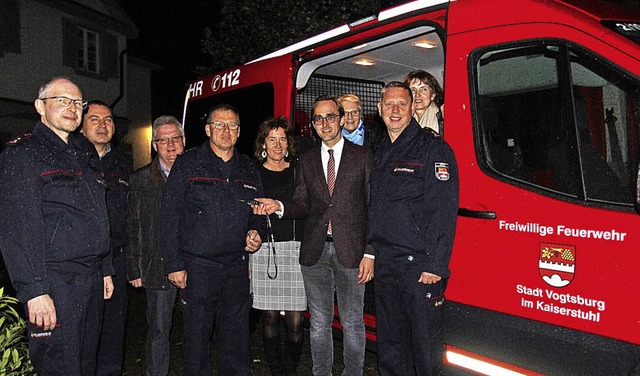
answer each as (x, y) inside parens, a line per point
(292, 352)
(273, 353)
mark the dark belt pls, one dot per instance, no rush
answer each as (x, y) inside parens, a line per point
(329, 239)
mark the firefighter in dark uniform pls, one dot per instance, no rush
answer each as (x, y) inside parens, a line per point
(412, 216)
(206, 230)
(98, 127)
(55, 239)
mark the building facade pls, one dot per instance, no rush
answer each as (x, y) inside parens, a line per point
(84, 40)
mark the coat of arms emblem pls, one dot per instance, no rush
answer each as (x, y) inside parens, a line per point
(557, 263)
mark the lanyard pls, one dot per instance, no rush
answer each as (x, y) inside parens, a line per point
(272, 251)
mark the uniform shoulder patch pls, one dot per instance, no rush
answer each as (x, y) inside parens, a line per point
(18, 139)
(442, 171)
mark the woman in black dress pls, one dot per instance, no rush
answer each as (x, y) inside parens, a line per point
(276, 280)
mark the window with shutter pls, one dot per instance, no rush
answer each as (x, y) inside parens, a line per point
(88, 51)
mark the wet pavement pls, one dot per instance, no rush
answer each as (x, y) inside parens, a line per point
(137, 327)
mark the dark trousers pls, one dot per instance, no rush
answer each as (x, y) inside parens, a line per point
(160, 305)
(111, 346)
(70, 349)
(408, 319)
(217, 301)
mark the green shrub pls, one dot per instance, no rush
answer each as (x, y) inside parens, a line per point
(14, 348)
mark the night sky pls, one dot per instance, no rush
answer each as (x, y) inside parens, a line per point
(169, 35)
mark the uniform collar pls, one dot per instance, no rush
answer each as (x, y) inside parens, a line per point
(407, 134)
(51, 139)
(386, 148)
(206, 154)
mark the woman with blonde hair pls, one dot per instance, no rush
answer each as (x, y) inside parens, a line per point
(355, 129)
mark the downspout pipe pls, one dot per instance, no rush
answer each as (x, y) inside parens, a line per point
(121, 93)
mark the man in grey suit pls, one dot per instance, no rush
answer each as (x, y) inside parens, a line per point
(332, 192)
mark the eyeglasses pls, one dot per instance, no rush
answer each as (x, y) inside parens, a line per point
(319, 119)
(420, 90)
(221, 124)
(165, 140)
(352, 113)
(62, 101)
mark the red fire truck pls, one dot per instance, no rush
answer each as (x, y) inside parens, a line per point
(542, 108)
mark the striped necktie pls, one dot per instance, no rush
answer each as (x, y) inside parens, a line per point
(331, 179)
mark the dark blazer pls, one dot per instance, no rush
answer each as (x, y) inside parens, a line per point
(347, 209)
(143, 254)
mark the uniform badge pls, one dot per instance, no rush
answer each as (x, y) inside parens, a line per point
(442, 171)
(123, 182)
(404, 169)
(557, 263)
(248, 186)
(40, 335)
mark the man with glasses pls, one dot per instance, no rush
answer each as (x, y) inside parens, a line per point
(355, 129)
(98, 127)
(207, 227)
(56, 241)
(332, 193)
(145, 266)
